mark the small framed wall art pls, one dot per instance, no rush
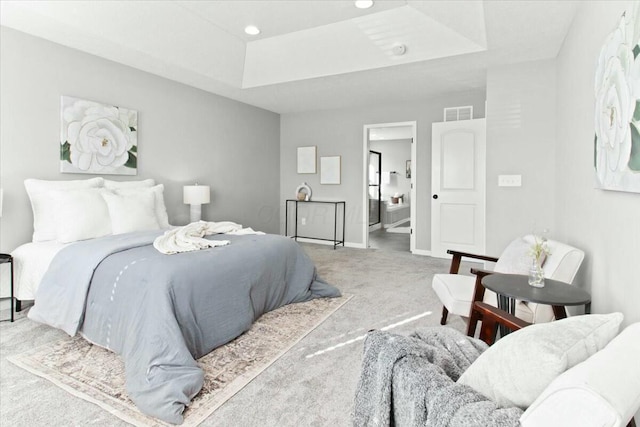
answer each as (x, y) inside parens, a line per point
(307, 159)
(330, 170)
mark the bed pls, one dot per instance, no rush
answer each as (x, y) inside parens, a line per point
(162, 312)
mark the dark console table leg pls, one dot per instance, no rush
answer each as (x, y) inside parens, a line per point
(335, 226)
(12, 290)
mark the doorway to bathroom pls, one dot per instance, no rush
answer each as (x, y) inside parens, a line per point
(389, 185)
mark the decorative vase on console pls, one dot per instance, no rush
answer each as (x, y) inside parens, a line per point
(303, 192)
(538, 252)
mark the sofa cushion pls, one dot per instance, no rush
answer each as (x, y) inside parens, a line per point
(603, 390)
(517, 368)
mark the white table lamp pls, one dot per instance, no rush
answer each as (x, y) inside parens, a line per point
(196, 196)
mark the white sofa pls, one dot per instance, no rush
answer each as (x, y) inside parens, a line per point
(602, 391)
(578, 371)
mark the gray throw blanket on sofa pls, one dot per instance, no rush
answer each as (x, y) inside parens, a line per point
(410, 381)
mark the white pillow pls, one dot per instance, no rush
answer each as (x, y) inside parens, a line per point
(131, 212)
(116, 185)
(601, 391)
(517, 368)
(81, 214)
(158, 194)
(44, 207)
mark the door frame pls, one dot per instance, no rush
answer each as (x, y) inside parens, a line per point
(365, 178)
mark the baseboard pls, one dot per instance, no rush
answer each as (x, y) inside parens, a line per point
(330, 243)
(422, 252)
(355, 245)
(375, 227)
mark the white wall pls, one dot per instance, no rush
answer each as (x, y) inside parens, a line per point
(339, 132)
(395, 154)
(185, 135)
(606, 224)
(521, 123)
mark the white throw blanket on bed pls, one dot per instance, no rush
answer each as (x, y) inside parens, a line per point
(191, 237)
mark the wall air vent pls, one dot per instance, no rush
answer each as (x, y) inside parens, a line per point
(453, 114)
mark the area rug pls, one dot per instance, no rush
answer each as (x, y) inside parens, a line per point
(97, 375)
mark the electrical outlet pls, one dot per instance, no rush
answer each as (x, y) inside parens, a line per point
(509, 180)
(303, 221)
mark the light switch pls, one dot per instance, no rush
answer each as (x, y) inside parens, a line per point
(509, 180)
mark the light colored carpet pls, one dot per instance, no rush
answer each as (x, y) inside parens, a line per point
(312, 384)
(97, 375)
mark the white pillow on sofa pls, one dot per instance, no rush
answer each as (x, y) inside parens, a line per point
(601, 391)
(131, 212)
(517, 368)
(159, 206)
(44, 207)
(80, 214)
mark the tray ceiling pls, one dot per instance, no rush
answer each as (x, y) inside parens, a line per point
(310, 54)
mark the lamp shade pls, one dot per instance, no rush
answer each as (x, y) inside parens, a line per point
(196, 194)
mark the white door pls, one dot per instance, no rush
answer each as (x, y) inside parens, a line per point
(458, 186)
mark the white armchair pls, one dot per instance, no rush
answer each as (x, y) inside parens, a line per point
(456, 291)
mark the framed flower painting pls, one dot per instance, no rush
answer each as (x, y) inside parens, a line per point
(97, 138)
(617, 109)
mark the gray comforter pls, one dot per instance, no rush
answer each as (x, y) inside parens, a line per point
(410, 381)
(161, 312)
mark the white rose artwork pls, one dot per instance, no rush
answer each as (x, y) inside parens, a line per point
(98, 138)
(617, 109)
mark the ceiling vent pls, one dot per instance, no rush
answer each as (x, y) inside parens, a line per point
(453, 114)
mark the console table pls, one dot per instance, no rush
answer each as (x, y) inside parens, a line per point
(335, 204)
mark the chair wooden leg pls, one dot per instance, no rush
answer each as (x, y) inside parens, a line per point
(474, 318)
(478, 295)
(445, 312)
(488, 330)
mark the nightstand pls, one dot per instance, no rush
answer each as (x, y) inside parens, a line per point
(8, 259)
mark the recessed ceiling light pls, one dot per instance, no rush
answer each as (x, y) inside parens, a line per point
(252, 30)
(363, 4)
